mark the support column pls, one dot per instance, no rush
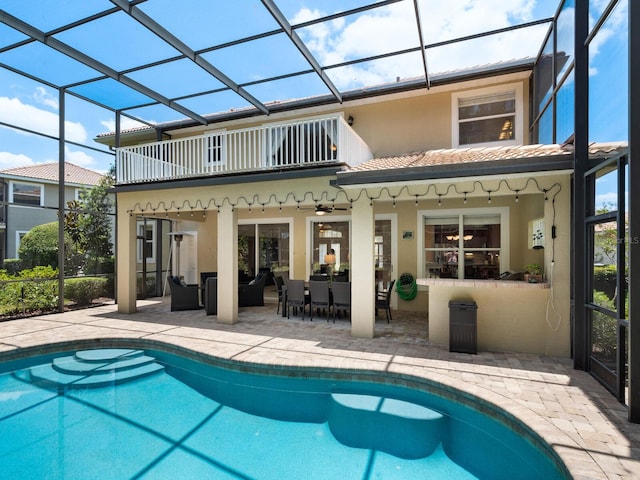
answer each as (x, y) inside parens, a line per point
(363, 315)
(634, 213)
(61, 199)
(227, 265)
(581, 333)
(126, 266)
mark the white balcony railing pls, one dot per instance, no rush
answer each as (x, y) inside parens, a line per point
(270, 147)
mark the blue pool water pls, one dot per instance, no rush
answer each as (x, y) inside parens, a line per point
(75, 417)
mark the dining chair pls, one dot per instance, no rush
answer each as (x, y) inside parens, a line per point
(296, 296)
(279, 285)
(318, 278)
(341, 298)
(383, 300)
(320, 297)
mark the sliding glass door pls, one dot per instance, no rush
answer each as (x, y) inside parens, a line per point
(263, 247)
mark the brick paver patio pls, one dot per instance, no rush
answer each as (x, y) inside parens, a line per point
(567, 408)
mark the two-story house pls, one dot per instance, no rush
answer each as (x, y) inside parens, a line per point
(438, 183)
(451, 173)
(29, 197)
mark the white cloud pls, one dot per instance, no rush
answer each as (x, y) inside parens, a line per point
(14, 112)
(616, 24)
(393, 28)
(41, 95)
(11, 160)
(125, 124)
(79, 158)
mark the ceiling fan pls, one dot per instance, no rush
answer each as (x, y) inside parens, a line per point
(321, 209)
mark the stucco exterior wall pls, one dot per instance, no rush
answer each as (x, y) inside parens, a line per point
(402, 123)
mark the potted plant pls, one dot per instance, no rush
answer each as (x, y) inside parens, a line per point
(533, 273)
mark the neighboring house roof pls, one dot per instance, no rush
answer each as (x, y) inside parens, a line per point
(48, 172)
(458, 162)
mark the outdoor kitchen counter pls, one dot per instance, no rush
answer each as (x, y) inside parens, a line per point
(512, 316)
(454, 282)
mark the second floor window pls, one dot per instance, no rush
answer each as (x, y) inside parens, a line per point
(488, 116)
(26, 194)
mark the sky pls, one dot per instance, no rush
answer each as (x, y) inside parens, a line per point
(28, 104)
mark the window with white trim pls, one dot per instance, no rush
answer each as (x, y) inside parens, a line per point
(464, 245)
(488, 116)
(23, 193)
(19, 236)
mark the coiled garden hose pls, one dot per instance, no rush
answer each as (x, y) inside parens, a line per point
(407, 287)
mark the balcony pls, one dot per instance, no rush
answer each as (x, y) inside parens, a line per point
(328, 140)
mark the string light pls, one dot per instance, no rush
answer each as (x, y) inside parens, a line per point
(326, 196)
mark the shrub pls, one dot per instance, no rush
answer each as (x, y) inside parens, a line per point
(100, 265)
(104, 266)
(604, 330)
(31, 290)
(12, 265)
(40, 247)
(41, 289)
(84, 290)
(10, 298)
(604, 279)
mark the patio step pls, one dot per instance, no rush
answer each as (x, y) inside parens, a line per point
(94, 369)
(403, 429)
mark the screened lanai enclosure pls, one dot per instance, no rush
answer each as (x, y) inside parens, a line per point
(73, 70)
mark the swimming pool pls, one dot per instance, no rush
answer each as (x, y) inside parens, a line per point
(127, 413)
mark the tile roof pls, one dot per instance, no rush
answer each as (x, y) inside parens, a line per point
(458, 156)
(49, 172)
